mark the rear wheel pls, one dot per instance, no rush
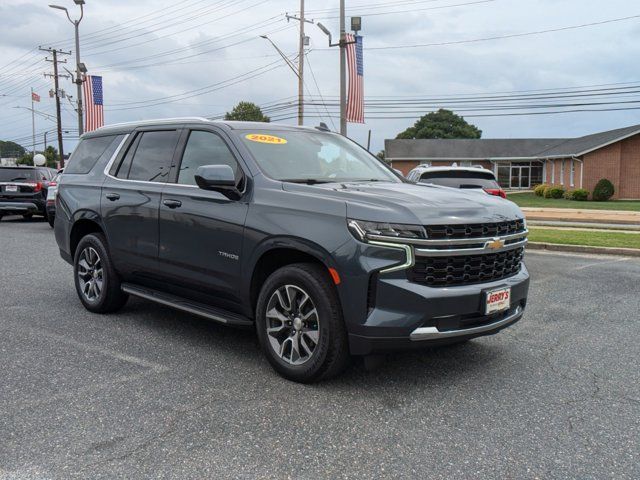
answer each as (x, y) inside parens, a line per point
(299, 324)
(51, 219)
(97, 283)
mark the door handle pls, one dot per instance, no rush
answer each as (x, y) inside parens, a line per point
(172, 203)
(113, 196)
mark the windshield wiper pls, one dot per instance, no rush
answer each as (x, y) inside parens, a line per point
(18, 178)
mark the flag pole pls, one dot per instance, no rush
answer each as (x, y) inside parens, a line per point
(33, 128)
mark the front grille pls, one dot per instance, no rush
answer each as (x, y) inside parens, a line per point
(474, 230)
(466, 269)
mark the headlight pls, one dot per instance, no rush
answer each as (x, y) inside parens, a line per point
(363, 230)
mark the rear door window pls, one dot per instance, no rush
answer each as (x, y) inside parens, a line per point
(151, 160)
(90, 150)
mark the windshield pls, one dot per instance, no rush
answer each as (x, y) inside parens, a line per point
(313, 157)
(17, 174)
(462, 179)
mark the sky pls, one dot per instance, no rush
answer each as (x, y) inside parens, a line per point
(165, 58)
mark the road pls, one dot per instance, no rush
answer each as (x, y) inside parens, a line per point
(154, 393)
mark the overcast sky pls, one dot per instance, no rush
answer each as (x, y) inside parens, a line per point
(148, 50)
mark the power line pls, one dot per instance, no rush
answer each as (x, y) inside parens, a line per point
(502, 37)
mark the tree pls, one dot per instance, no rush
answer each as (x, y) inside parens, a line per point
(441, 124)
(247, 112)
(51, 155)
(10, 149)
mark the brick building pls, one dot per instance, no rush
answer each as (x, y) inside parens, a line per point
(524, 163)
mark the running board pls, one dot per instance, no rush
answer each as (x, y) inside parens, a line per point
(185, 305)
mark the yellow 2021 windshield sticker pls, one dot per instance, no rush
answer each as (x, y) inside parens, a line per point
(260, 138)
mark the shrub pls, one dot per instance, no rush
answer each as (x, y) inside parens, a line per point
(579, 194)
(604, 191)
(553, 192)
(538, 190)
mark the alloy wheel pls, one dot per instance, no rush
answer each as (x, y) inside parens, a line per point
(90, 274)
(293, 325)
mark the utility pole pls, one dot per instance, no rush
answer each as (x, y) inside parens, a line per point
(343, 73)
(58, 93)
(303, 41)
(301, 67)
(33, 126)
(80, 67)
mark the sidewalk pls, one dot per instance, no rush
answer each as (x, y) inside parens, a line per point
(580, 215)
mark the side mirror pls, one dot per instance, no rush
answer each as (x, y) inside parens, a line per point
(219, 178)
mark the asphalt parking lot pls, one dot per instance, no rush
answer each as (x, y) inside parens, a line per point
(154, 393)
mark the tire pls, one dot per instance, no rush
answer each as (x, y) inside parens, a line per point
(321, 338)
(92, 256)
(51, 219)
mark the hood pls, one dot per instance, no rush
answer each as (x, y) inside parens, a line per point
(419, 204)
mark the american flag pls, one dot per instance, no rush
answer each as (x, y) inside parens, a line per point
(35, 97)
(93, 113)
(355, 96)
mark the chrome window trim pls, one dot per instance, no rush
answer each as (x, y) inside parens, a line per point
(426, 252)
(448, 242)
(409, 261)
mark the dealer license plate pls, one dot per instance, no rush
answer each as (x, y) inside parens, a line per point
(11, 188)
(497, 300)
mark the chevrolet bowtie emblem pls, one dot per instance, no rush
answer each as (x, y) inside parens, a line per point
(495, 244)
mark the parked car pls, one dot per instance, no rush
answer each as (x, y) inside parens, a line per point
(23, 190)
(297, 232)
(52, 192)
(458, 177)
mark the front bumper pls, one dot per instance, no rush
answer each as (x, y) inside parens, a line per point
(385, 310)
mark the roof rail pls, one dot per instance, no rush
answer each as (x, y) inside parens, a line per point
(157, 121)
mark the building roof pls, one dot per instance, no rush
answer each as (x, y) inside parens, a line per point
(513, 148)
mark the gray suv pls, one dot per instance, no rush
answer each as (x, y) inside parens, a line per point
(297, 232)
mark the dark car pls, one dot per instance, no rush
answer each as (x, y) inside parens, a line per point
(473, 178)
(23, 190)
(297, 232)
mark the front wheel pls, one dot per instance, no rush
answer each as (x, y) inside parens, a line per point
(97, 282)
(299, 324)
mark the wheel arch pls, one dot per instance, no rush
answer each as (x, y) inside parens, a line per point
(84, 223)
(277, 253)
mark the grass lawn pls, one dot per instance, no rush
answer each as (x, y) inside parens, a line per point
(580, 237)
(530, 200)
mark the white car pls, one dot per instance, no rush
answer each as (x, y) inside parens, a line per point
(52, 192)
(476, 177)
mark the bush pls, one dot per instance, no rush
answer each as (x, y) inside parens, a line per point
(538, 190)
(604, 191)
(579, 194)
(553, 192)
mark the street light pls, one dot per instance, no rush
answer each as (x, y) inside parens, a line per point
(80, 67)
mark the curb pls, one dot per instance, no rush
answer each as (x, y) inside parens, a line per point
(557, 247)
(542, 218)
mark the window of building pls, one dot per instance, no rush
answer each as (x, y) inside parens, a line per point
(572, 172)
(553, 172)
(204, 148)
(561, 172)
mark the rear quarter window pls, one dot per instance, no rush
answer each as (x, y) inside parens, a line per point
(90, 150)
